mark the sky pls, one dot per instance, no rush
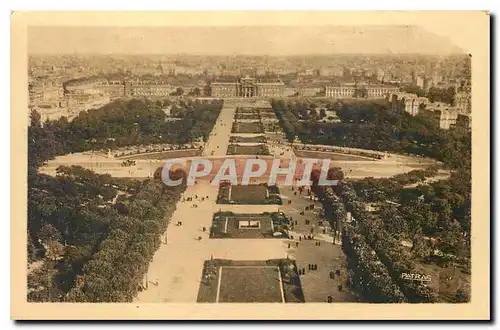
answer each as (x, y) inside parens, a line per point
(224, 40)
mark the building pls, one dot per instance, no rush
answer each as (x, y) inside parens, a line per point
(352, 90)
(463, 97)
(329, 72)
(113, 88)
(45, 95)
(380, 75)
(427, 84)
(141, 88)
(419, 81)
(447, 118)
(83, 102)
(379, 91)
(248, 87)
(463, 101)
(84, 86)
(450, 116)
(224, 89)
(464, 121)
(309, 90)
(408, 102)
(340, 91)
(446, 115)
(50, 112)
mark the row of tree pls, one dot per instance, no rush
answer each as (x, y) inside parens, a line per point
(373, 125)
(432, 217)
(376, 259)
(90, 236)
(94, 250)
(434, 94)
(117, 124)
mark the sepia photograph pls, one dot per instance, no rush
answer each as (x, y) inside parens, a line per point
(250, 165)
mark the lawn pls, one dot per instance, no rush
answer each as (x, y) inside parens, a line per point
(247, 128)
(330, 155)
(249, 194)
(236, 149)
(164, 154)
(267, 115)
(253, 139)
(250, 284)
(264, 281)
(247, 110)
(248, 225)
(229, 227)
(244, 115)
(253, 194)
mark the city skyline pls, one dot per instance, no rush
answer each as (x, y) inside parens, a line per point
(219, 40)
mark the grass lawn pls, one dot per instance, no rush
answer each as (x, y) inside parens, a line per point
(240, 110)
(229, 226)
(248, 225)
(239, 127)
(251, 194)
(267, 115)
(263, 281)
(236, 149)
(243, 115)
(253, 139)
(330, 155)
(164, 154)
(250, 284)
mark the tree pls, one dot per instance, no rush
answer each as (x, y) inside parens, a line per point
(35, 119)
(49, 233)
(335, 173)
(31, 248)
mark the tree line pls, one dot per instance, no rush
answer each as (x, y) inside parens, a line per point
(434, 94)
(91, 236)
(374, 126)
(433, 217)
(95, 247)
(118, 124)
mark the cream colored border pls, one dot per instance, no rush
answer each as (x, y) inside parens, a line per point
(471, 29)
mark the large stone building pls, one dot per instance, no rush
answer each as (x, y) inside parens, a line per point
(83, 102)
(248, 87)
(446, 115)
(359, 90)
(411, 103)
(463, 97)
(148, 88)
(113, 88)
(41, 94)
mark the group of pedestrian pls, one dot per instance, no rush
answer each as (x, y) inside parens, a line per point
(312, 267)
(195, 198)
(332, 274)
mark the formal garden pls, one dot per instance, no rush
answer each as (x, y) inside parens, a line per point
(266, 281)
(249, 225)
